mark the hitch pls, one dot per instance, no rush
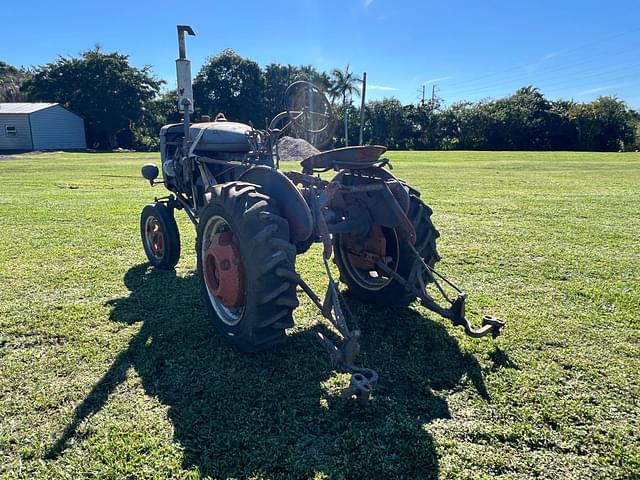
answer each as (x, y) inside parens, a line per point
(343, 357)
(360, 387)
(362, 379)
(456, 312)
(490, 325)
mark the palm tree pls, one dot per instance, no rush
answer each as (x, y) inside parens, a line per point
(344, 84)
(11, 80)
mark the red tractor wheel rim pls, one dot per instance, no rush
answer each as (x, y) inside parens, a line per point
(223, 271)
(359, 257)
(155, 237)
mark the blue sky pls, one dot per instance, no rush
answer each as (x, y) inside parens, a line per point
(469, 49)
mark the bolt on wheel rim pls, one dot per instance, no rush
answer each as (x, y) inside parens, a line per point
(222, 271)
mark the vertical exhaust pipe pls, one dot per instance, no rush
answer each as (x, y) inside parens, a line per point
(183, 72)
(185, 88)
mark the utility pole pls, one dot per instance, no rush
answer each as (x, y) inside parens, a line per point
(364, 92)
(432, 102)
(423, 85)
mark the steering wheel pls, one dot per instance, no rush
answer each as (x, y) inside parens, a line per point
(308, 113)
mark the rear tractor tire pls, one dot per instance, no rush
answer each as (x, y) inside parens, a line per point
(371, 286)
(160, 236)
(246, 265)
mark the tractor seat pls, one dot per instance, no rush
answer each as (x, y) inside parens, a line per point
(351, 158)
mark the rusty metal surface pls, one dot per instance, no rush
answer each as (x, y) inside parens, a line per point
(223, 271)
(345, 158)
(155, 237)
(343, 357)
(357, 201)
(365, 254)
(455, 312)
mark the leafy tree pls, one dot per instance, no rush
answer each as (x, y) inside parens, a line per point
(636, 133)
(122, 106)
(519, 121)
(233, 85)
(466, 125)
(424, 126)
(109, 93)
(344, 84)
(157, 113)
(11, 80)
(277, 77)
(387, 123)
(528, 119)
(603, 125)
(563, 134)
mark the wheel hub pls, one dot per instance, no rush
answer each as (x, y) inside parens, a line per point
(155, 237)
(223, 272)
(364, 256)
(360, 256)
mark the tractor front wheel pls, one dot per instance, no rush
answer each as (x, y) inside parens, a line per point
(160, 236)
(247, 266)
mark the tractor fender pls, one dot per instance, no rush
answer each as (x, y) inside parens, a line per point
(387, 207)
(292, 204)
(400, 190)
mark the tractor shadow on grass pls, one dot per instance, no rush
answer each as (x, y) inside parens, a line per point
(278, 413)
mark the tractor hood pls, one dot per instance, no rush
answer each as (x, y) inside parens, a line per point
(221, 136)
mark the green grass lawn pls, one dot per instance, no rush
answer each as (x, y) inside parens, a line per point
(109, 369)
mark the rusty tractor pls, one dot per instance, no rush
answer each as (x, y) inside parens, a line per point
(253, 219)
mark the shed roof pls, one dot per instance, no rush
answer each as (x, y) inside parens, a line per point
(18, 107)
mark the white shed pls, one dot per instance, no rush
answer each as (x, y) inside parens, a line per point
(40, 126)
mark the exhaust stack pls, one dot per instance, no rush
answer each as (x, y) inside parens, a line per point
(183, 72)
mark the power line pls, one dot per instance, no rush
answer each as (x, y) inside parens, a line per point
(567, 66)
(630, 71)
(577, 82)
(562, 52)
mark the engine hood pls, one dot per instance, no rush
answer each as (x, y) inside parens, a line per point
(222, 136)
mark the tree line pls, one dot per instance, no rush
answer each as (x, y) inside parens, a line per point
(125, 106)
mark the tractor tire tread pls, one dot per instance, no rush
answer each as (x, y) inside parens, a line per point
(165, 216)
(261, 234)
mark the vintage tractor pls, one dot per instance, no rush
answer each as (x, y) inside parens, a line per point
(253, 219)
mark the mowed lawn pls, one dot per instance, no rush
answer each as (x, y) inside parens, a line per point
(109, 369)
